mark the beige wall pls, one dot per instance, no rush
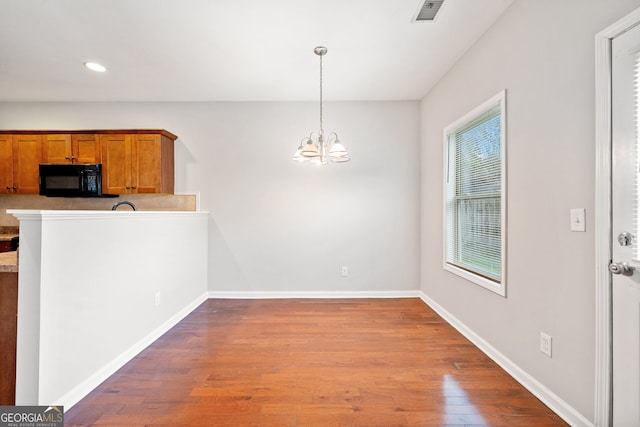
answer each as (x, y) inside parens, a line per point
(542, 52)
(143, 202)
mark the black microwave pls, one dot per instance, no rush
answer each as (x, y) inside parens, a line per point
(71, 180)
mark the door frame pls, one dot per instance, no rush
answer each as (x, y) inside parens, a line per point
(603, 217)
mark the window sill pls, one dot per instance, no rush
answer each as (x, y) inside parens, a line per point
(498, 288)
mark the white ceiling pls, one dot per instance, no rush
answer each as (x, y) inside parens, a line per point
(231, 50)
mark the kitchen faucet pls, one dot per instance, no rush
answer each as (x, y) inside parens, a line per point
(124, 202)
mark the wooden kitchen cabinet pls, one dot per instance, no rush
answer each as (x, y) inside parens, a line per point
(74, 148)
(133, 160)
(137, 163)
(8, 337)
(20, 156)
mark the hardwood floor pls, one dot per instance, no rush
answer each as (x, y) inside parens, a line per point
(298, 362)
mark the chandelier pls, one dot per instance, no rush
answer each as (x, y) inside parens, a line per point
(315, 148)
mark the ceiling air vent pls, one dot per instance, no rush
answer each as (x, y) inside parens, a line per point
(428, 10)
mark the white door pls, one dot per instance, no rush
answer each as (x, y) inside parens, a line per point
(625, 265)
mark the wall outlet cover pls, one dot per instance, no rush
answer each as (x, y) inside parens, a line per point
(545, 343)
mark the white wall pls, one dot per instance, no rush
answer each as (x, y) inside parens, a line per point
(277, 225)
(542, 52)
(88, 284)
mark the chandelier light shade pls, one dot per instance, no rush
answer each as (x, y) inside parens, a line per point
(316, 148)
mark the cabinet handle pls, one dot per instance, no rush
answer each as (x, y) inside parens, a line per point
(133, 187)
(8, 188)
(127, 187)
(15, 188)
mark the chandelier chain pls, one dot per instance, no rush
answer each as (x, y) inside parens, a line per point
(320, 92)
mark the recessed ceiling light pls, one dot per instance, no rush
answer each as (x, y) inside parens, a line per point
(94, 66)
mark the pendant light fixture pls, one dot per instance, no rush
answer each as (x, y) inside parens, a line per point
(315, 148)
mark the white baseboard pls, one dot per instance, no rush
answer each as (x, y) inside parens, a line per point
(553, 401)
(302, 294)
(84, 388)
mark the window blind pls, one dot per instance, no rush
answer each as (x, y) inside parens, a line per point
(474, 199)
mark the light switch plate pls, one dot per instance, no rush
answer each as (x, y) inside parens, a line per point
(578, 220)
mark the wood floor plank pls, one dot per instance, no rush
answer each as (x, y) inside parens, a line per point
(311, 362)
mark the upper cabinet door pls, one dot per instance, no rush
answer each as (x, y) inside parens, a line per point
(6, 163)
(27, 156)
(116, 163)
(57, 149)
(146, 168)
(86, 149)
(153, 164)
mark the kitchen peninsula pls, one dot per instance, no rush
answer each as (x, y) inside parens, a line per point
(95, 287)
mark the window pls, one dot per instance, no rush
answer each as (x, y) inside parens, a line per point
(475, 173)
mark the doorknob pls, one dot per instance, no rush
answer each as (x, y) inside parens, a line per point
(625, 238)
(621, 268)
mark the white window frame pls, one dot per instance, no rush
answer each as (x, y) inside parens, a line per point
(492, 285)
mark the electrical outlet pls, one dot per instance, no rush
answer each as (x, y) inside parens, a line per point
(545, 343)
(345, 271)
(158, 299)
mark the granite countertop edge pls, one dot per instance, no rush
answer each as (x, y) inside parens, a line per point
(9, 262)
